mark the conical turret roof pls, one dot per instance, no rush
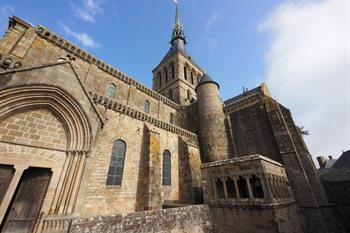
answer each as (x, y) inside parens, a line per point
(206, 79)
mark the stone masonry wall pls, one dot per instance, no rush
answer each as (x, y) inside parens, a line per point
(44, 48)
(250, 219)
(35, 128)
(131, 195)
(190, 219)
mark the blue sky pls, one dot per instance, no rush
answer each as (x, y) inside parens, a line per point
(300, 48)
(133, 35)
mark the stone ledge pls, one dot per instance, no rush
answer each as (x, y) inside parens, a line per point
(255, 205)
(239, 160)
(242, 103)
(118, 107)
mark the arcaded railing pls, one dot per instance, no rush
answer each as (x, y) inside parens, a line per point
(251, 179)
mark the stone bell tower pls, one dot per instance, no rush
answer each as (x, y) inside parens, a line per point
(177, 75)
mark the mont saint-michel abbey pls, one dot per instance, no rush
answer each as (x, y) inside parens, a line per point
(85, 148)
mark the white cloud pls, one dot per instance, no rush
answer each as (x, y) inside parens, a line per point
(208, 40)
(214, 19)
(83, 38)
(87, 10)
(6, 11)
(308, 69)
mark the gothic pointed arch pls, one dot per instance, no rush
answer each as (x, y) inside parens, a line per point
(68, 110)
(78, 130)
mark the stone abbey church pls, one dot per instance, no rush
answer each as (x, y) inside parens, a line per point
(85, 148)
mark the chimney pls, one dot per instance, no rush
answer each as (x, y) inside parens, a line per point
(322, 161)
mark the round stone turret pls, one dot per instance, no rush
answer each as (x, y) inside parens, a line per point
(212, 130)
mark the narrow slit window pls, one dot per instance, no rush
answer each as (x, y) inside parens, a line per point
(171, 118)
(166, 75)
(173, 71)
(170, 94)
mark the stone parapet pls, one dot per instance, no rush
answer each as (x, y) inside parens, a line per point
(190, 219)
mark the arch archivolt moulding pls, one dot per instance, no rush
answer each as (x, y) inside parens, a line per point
(66, 108)
(78, 130)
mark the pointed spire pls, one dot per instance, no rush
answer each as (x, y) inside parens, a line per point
(177, 18)
(178, 38)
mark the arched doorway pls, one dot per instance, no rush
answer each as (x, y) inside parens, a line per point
(26, 203)
(47, 141)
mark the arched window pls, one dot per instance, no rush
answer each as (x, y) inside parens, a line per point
(256, 187)
(111, 90)
(189, 95)
(116, 165)
(146, 106)
(242, 187)
(230, 186)
(160, 79)
(166, 180)
(219, 189)
(185, 72)
(170, 94)
(173, 71)
(171, 118)
(166, 75)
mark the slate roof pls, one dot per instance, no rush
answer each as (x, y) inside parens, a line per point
(332, 174)
(343, 161)
(244, 94)
(206, 79)
(336, 169)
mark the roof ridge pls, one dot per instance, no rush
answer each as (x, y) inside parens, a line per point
(84, 55)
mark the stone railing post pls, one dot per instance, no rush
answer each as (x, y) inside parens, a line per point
(238, 196)
(250, 193)
(225, 188)
(213, 181)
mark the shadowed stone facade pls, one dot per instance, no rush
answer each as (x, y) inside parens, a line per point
(62, 112)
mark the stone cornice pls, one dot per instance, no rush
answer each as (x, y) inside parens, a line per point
(248, 205)
(126, 110)
(239, 160)
(78, 52)
(242, 103)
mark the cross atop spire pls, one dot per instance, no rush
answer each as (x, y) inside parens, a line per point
(178, 38)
